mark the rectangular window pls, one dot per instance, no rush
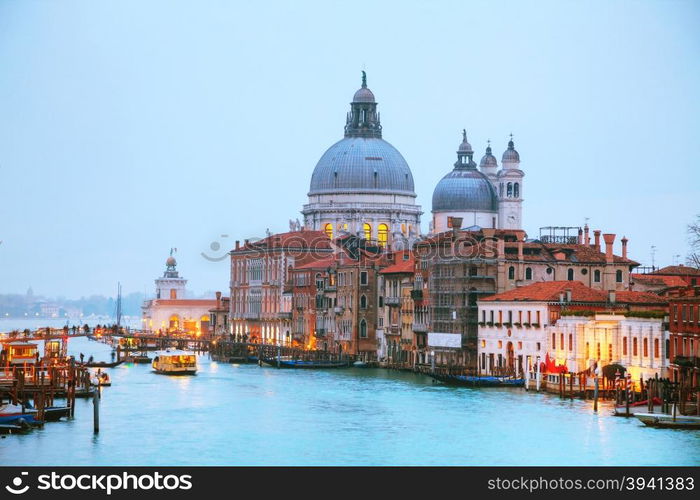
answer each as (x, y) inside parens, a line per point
(554, 341)
(624, 346)
(656, 348)
(520, 316)
(510, 317)
(363, 278)
(634, 346)
(571, 342)
(561, 342)
(491, 315)
(538, 346)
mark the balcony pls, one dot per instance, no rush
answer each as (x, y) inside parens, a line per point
(284, 315)
(420, 327)
(392, 301)
(393, 330)
(251, 315)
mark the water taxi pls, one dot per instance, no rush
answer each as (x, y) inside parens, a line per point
(175, 363)
(20, 353)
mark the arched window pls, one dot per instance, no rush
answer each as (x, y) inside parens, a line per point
(500, 190)
(363, 302)
(511, 273)
(329, 230)
(367, 229)
(383, 235)
(516, 190)
(618, 276)
(363, 329)
(528, 273)
(570, 275)
(509, 189)
(634, 346)
(403, 229)
(596, 276)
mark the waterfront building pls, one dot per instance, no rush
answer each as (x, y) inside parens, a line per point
(313, 300)
(690, 275)
(260, 303)
(574, 326)
(397, 341)
(485, 197)
(170, 311)
(362, 185)
(218, 316)
(463, 266)
(684, 326)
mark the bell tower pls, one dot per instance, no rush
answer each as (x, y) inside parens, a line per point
(510, 189)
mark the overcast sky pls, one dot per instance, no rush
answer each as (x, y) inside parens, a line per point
(130, 127)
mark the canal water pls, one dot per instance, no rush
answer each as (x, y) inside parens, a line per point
(247, 415)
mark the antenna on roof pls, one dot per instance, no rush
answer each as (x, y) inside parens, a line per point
(653, 254)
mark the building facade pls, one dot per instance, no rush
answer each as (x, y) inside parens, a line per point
(260, 303)
(572, 326)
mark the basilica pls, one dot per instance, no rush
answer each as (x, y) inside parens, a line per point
(362, 185)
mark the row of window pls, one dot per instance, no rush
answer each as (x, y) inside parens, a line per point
(686, 313)
(522, 317)
(570, 274)
(512, 190)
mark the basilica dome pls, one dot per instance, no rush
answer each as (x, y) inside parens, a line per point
(362, 165)
(362, 162)
(464, 190)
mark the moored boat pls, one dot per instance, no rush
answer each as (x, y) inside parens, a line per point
(664, 420)
(479, 381)
(175, 363)
(638, 407)
(298, 363)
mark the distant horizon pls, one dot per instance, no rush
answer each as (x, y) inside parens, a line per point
(130, 128)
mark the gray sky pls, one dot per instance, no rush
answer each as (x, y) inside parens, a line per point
(129, 127)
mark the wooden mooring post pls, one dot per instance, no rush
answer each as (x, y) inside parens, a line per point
(96, 410)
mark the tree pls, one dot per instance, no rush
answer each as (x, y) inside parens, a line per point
(693, 258)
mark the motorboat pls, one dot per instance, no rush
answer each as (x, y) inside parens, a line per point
(175, 363)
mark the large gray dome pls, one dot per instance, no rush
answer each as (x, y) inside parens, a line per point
(464, 190)
(362, 165)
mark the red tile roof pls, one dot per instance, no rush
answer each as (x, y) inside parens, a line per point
(294, 239)
(184, 302)
(549, 291)
(401, 266)
(324, 263)
(678, 271)
(656, 280)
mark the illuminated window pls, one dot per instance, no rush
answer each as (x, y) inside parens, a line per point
(403, 229)
(483, 343)
(173, 294)
(367, 229)
(383, 235)
(329, 230)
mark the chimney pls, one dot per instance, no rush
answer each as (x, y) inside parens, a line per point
(218, 300)
(561, 297)
(580, 236)
(238, 244)
(609, 240)
(520, 250)
(586, 237)
(611, 296)
(501, 248)
(596, 243)
(624, 247)
(568, 294)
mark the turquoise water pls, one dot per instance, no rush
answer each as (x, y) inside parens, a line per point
(247, 415)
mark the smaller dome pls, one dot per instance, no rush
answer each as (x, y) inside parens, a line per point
(363, 95)
(465, 147)
(171, 262)
(488, 160)
(510, 154)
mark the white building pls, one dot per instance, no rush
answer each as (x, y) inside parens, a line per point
(574, 326)
(484, 197)
(170, 311)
